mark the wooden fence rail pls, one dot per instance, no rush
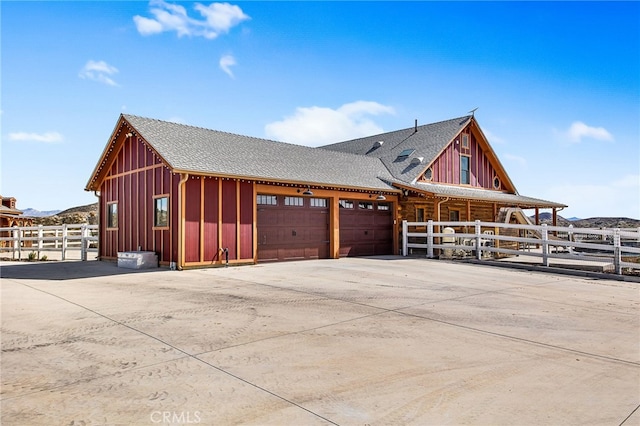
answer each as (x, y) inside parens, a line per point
(618, 247)
(59, 238)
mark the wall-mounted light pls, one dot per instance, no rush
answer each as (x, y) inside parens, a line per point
(129, 134)
(306, 191)
(381, 197)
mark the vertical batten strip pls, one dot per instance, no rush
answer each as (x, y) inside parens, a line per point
(255, 222)
(238, 223)
(201, 232)
(220, 257)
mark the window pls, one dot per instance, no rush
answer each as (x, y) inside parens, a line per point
(465, 176)
(318, 202)
(364, 205)
(419, 214)
(454, 216)
(269, 200)
(112, 215)
(161, 212)
(383, 206)
(293, 201)
(405, 153)
(465, 140)
(496, 182)
(346, 204)
(428, 174)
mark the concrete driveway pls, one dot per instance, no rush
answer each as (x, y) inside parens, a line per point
(385, 341)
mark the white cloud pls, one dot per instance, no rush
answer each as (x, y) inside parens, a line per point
(48, 137)
(219, 18)
(315, 126)
(99, 71)
(578, 130)
(226, 62)
(617, 198)
(492, 138)
(520, 161)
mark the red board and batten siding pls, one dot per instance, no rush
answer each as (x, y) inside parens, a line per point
(218, 215)
(446, 168)
(135, 178)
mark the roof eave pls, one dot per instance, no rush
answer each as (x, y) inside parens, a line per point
(292, 182)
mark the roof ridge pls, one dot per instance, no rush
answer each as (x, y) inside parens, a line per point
(462, 118)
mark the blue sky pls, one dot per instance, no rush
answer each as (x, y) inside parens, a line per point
(557, 84)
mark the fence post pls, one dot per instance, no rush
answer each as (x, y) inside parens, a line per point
(405, 229)
(40, 238)
(83, 243)
(64, 241)
(478, 242)
(16, 243)
(617, 251)
(430, 239)
(570, 238)
(545, 245)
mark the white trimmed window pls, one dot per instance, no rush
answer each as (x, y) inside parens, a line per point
(268, 200)
(318, 202)
(294, 201)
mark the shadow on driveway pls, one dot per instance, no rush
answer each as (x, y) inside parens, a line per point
(66, 270)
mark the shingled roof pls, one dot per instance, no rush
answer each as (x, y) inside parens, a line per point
(197, 150)
(425, 142)
(363, 163)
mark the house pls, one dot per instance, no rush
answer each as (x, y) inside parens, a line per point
(200, 197)
(11, 217)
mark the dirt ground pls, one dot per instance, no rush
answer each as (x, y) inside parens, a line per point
(385, 341)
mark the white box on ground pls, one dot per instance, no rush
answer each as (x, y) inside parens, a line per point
(137, 259)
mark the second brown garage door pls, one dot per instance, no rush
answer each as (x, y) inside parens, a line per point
(366, 228)
(291, 228)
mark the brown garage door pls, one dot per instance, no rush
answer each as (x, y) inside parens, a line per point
(366, 228)
(291, 228)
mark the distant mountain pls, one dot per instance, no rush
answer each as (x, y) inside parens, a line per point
(37, 213)
(571, 219)
(592, 222)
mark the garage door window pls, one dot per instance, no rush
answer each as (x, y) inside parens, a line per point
(364, 205)
(346, 204)
(318, 202)
(269, 200)
(383, 206)
(294, 201)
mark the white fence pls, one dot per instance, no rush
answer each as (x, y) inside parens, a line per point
(619, 248)
(32, 241)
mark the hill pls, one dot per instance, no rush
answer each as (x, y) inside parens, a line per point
(81, 214)
(593, 222)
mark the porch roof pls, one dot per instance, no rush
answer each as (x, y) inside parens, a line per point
(468, 193)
